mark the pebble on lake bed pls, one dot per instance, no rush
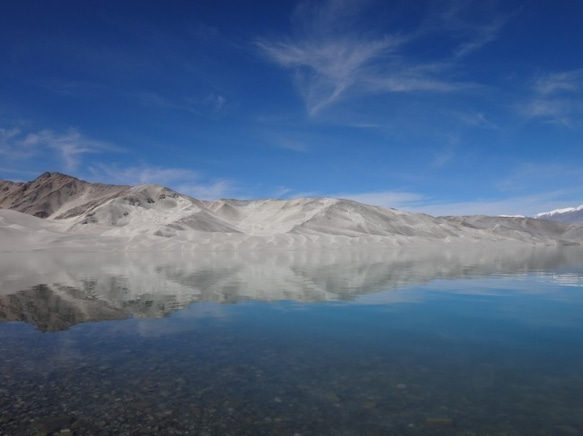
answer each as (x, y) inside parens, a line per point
(439, 422)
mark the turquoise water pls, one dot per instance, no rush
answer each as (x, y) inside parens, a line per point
(356, 344)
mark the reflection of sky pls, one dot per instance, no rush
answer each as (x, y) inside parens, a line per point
(537, 299)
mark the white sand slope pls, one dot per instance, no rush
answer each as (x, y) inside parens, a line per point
(82, 216)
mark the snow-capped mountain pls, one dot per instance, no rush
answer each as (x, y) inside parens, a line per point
(567, 215)
(72, 214)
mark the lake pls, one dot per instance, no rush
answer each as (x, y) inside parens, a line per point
(480, 341)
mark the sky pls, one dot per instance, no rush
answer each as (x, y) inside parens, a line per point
(445, 107)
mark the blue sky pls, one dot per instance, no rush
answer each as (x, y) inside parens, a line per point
(444, 107)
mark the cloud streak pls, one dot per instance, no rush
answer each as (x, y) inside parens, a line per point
(184, 181)
(389, 199)
(331, 59)
(142, 174)
(526, 205)
(557, 98)
(69, 146)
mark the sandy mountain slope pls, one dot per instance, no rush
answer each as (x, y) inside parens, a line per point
(153, 217)
(520, 229)
(53, 195)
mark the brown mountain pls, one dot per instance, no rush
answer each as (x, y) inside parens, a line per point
(48, 194)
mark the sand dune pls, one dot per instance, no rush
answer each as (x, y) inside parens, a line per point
(60, 212)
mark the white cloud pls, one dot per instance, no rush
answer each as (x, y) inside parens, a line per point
(475, 24)
(557, 98)
(566, 81)
(553, 111)
(293, 142)
(485, 35)
(216, 103)
(527, 205)
(531, 175)
(184, 181)
(391, 199)
(326, 69)
(282, 191)
(477, 119)
(212, 190)
(332, 59)
(213, 105)
(142, 174)
(443, 157)
(69, 146)
(153, 99)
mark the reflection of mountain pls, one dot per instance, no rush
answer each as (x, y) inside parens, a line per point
(55, 293)
(53, 308)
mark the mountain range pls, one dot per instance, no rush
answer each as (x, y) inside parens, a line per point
(57, 211)
(567, 215)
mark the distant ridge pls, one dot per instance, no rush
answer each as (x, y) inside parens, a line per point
(81, 215)
(567, 215)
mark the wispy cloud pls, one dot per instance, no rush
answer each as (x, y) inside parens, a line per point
(477, 119)
(443, 157)
(325, 69)
(484, 35)
(527, 205)
(554, 83)
(288, 141)
(211, 190)
(153, 99)
(391, 199)
(211, 106)
(530, 175)
(557, 98)
(332, 59)
(69, 146)
(185, 181)
(215, 102)
(281, 192)
(142, 174)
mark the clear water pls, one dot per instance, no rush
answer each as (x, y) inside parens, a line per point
(471, 342)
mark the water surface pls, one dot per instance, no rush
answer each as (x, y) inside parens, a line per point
(479, 342)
